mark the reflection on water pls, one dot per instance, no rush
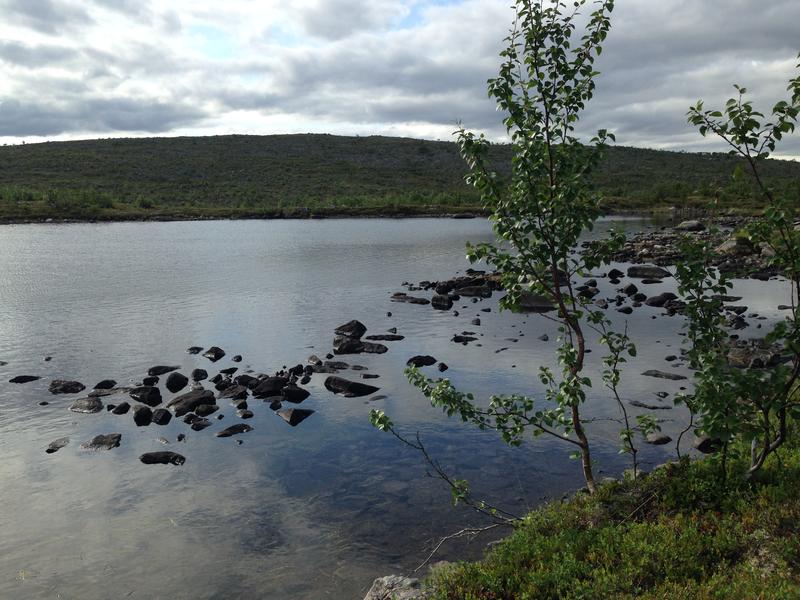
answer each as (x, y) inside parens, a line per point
(316, 511)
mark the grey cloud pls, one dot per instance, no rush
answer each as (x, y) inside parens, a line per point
(337, 19)
(35, 56)
(46, 16)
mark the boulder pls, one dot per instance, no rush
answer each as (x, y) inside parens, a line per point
(352, 329)
(61, 386)
(247, 381)
(150, 380)
(656, 438)
(421, 361)
(753, 357)
(200, 424)
(615, 274)
(690, 226)
(234, 392)
(386, 337)
(234, 430)
(663, 375)
(271, 386)
(440, 302)
(203, 410)
(161, 370)
(162, 458)
(396, 587)
(229, 370)
(661, 299)
(373, 348)
(105, 441)
(294, 416)
(121, 408)
(530, 302)
(199, 374)
(706, 444)
(214, 353)
(242, 413)
(161, 416)
(106, 384)
(86, 405)
(343, 344)
(647, 272)
(57, 445)
(736, 246)
(176, 382)
(146, 394)
(142, 415)
(478, 291)
(237, 358)
(350, 389)
(23, 379)
(294, 394)
(189, 401)
(194, 350)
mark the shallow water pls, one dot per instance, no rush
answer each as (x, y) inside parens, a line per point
(315, 511)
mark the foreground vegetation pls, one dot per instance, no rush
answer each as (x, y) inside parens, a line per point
(305, 175)
(678, 533)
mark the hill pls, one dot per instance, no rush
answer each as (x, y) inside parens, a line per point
(295, 175)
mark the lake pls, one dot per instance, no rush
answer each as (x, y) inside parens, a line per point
(314, 511)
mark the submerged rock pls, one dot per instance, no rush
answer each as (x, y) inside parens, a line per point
(352, 329)
(663, 375)
(234, 430)
(105, 441)
(61, 386)
(146, 394)
(161, 370)
(86, 405)
(162, 458)
(440, 302)
(386, 337)
(106, 384)
(189, 401)
(351, 389)
(421, 360)
(23, 379)
(647, 272)
(294, 416)
(57, 445)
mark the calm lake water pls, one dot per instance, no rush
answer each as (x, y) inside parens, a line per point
(316, 511)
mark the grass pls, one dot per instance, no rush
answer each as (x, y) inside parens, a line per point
(323, 175)
(675, 534)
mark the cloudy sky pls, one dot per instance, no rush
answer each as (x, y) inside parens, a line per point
(101, 68)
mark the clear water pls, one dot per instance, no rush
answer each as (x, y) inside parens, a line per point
(315, 511)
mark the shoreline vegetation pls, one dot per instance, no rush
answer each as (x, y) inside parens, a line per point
(324, 176)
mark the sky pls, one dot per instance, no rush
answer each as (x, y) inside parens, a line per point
(77, 69)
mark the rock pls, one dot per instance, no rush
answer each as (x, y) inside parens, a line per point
(161, 416)
(403, 297)
(670, 358)
(57, 445)
(352, 329)
(150, 380)
(736, 246)
(639, 297)
(369, 376)
(294, 394)
(690, 226)
(463, 339)
(442, 367)
(475, 321)
(343, 344)
(601, 303)
(648, 272)
(625, 310)
(161, 370)
(530, 302)
(215, 379)
(351, 389)
(243, 413)
(395, 587)
(753, 357)
(738, 310)
(189, 401)
(146, 394)
(373, 348)
(271, 386)
(544, 338)
(337, 365)
(106, 384)
(61, 386)
(121, 408)
(630, 289)
(246, 380)
(661, 299)
(651, 281)
(200, 424)
(234, 430)
(477, 291)
(229, 370)
(176, 382)
(421, 361)
(640, 404)
(234, 392)
(663, 375)
(199, 374)
(706, 444)
(86, 405)
(111, 392)
(440, 302)
(223, 385)
(237, 358)
(214, 353)
(181, 437)
(194, 350)
(162, 458)
(386, 337)
(203, 410)
(105, 441)
(142, 415)
(240, 404)
(314, 360)
(23, 379)
(294, 416)
(657, 438)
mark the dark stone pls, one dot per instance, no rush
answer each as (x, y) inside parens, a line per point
(343, 344)
(247, 381)
(670, 358)
(463, 339)
(229, 370)
(421, 361)
(146, 394)
(639, 297)
(244, 413)
(161, 416)
(240, 404)
(176, 382)
(200, 424)
(625, 310)
(403, 297)
(478, 291)
(369, 376)
(151, 380)
(57, 445)
(314, 360)
(161, 370)
(295, 416)
(271, 386)
(615, 274)
(663, 375)
(294, 394)
(352, 329)
(106, 384)
(640, 404)
(87, 405)
(162, 458)
(142, 415)
(690, 226)
(234, 430)
(442, 367)
(651, 281)
(337, 365)
(199, 374)
(647, 272)
(204, 410)
(214, 353)
(237, 358)
(216, 378)
(660, 300)
(373, 348)
(105, 441)
(61, 386)
(530, 302)
(23, 379)
(476, 321)
(339, 385)
(657, 438)
(386, 337)
(706, 444)
(181, 437)
(544, 337)
(223, 385)
(234, 392)
(440, 302)
(194, 350)
(189, 401)
(630, 289)
(121, 408)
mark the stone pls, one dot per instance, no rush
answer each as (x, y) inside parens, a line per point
(121, 408)
(690, 226)
(243, 414)
(199, 374)
(373, 348)
(151, 380)
(736, 246)
(61, 386)
(706, 444)
(530, 302)
(214, 353)
(647, 272)
(294, 394)
(544, 338)
(640, 404)
(234, 392)
(396, 587)
(386, 337)
(234, 430)
(200, 424)
(440, 302)
(343, 344)
(421, 361)
(350, 389)
(246, 380)
(56, 445)
(229, 370)
(476, 321)
(106, 384)
(105, 441)
(656, 438)
(615, 274)
(86, 405)
(162, 458)
(146, 394)
(477, 291)
(161, 416)
(630, 289)
(189, 401)
(176, 382)
(203, 410)
(271, 386)
(442, 367)
(194, 350)
(237, 358)
(352, 329)
(142, 415)
(661, 299)
(753, 357)
(663, 375)
(161, 370)
(23, 379)
(294, 416)
(625, 310)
